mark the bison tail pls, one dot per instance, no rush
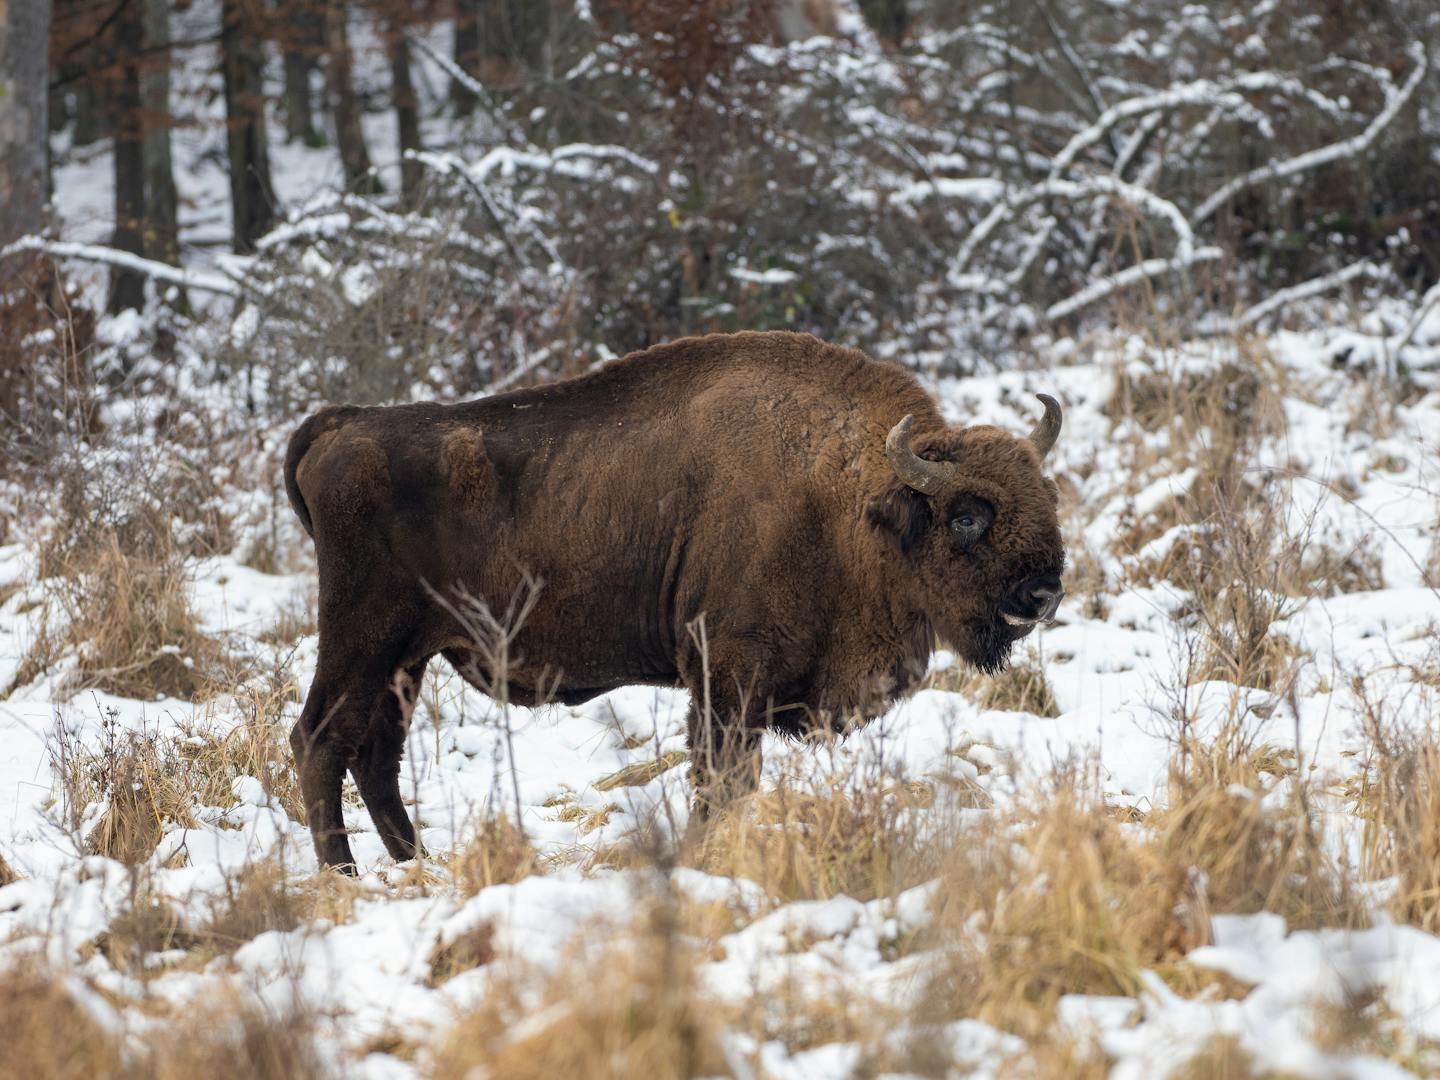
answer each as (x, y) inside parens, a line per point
(300, 442)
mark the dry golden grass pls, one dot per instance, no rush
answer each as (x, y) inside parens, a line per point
(148, 926)
(1067, 902)
(811, 843)
(257, 745)
(48, 1034)
(494, 852)
(1222, 1058)
(1398, 798)
(119, 605)
(260, 898)
(232, 1038)
(626, 1008)
(137, 778)
(1255, 854)
(1063, 895)
(1021, 687)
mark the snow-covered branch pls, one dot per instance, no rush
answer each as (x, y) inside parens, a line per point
(1324, 155)
(1314, 287)
(1131, 275)
(174, 275)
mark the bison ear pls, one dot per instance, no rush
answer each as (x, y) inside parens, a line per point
(902, 515)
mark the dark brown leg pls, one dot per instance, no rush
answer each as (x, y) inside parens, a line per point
(321, 751)
(376, 767)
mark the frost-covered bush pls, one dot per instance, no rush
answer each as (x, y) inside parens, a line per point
(1010, 171)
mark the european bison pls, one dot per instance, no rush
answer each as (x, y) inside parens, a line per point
(780, 525)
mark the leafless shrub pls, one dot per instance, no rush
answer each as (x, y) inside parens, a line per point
(117, 800)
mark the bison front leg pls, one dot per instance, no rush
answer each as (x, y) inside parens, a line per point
(724, 750)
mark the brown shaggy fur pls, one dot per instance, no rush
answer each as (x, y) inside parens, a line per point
(729, 489)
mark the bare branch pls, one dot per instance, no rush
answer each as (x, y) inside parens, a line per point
(1313, 287)
(174, 275)
(1324, 155)
(1131, 275)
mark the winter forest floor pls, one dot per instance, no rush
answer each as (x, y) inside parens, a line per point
(1194, 831)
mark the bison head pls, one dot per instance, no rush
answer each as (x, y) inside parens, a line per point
(974, 517)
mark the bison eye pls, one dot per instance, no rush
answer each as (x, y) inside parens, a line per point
(970, 519)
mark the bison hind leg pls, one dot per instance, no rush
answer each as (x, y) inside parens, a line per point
(376, 766)
(320, 756)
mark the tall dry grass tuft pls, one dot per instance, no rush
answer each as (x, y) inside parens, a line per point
(1250, 845)
(120, 606)
(624, 1004)
(117, 800)
(1021, 687)
(494, 852)
(257, 745)
(813, 840)
(1398, 798)
(259, 898)
(234, 1038)
(50, 1034)
(147, 933)
(1059, 898)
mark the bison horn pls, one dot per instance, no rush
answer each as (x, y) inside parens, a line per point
(926, 477)
(1044, 434)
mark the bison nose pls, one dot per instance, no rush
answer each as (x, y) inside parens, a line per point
(1047, 600)
(1035, 600)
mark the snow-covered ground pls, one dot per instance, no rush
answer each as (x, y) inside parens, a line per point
(1354, 466)
(1113, 668)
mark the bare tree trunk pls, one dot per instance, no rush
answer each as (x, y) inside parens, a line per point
(513, 37)
(890, 19)
(467, 53)
(24, 79)
(127, 288)
(90, 118)
(407, 111)
(354, 157)
(243, 61)
(302, 41)
(162, 235)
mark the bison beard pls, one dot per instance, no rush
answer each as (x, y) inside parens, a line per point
(779, 525)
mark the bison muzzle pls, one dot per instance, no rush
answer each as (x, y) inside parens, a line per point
(784, 527)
